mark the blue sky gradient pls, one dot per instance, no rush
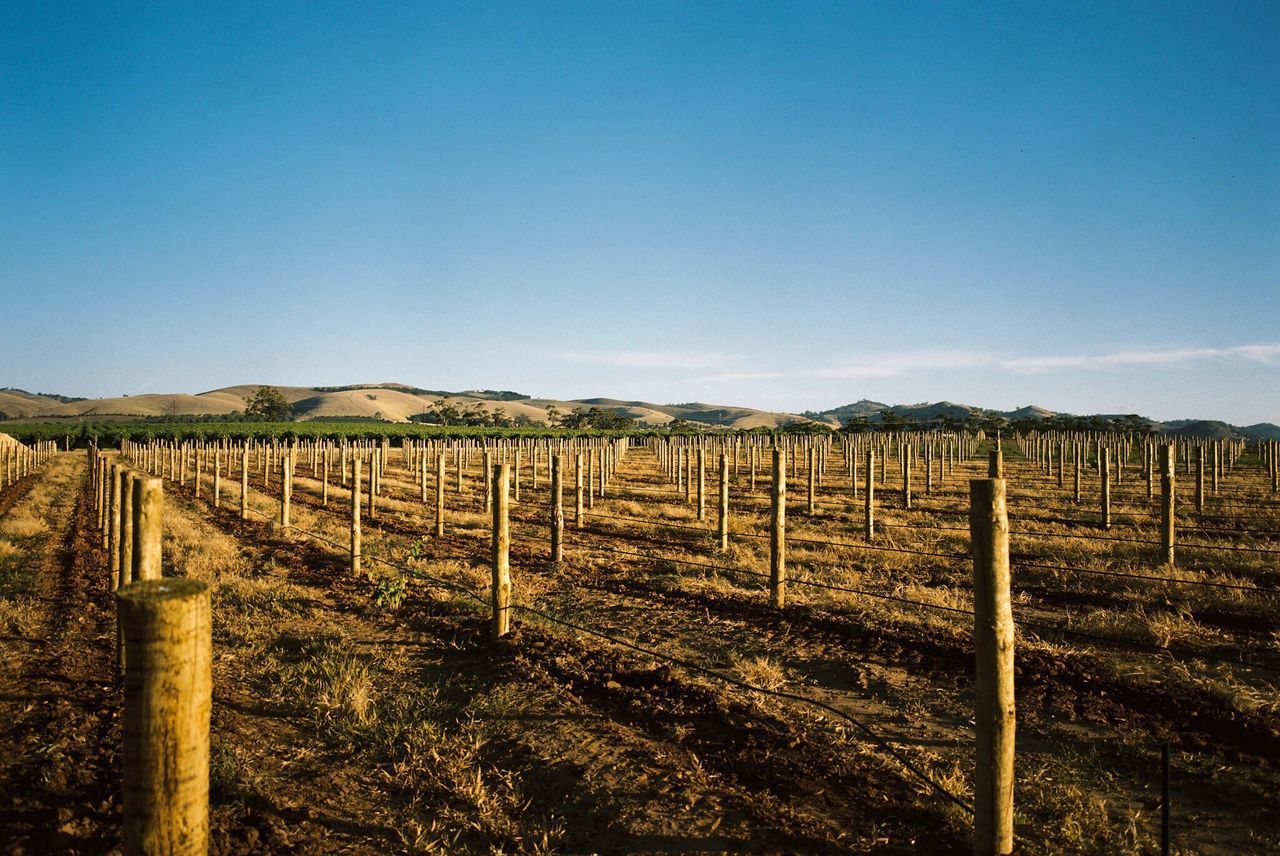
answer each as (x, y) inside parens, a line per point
(788, 206)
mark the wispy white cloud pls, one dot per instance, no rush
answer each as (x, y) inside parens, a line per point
(651, 359)
(1265, 353)
(736, 377)
(882, 365)
(888, 365)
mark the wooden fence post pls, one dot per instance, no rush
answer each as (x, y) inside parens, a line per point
(1167, 512)
(995, 464)
(722, 524)
(906, 477)
(125, 512)
(116, 475)
(577, 499)
(702, 485)
(993, 638)
(778, 531)
(440, 495)
(869, 498)
(813, 481)
(148, 527)
(1105, 466)
(557, 511)
(286, 487)
(1199, 479)
(355, 515)
(244, 482)
(501, 477)
(167, 700)
(1078, 466)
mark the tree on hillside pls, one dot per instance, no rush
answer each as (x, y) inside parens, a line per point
(269, 405)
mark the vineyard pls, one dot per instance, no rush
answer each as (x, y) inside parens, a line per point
(567, 643)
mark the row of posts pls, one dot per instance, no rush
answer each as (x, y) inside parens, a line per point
(18, 460)
(164, 652)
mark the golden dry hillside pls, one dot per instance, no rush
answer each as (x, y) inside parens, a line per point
(392, 402)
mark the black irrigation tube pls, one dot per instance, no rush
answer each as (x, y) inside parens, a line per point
(782, 694)
(1233, 586)
(792, 580)
(873, 547)
(1145, 647)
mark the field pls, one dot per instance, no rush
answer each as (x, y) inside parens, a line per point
(649, 698)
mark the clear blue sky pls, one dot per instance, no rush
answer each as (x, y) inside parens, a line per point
(783, 205)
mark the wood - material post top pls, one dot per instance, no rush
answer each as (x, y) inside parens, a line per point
(168, 588)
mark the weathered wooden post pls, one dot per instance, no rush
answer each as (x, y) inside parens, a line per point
(167, 698)
(577, 499)
(115, 475)
(501, 475)
(813, 481)
(722, 522)
(286, 488)
(1199, 479)
(487, 477)
(124, 562)
(994, 714)
(516, 480)
(440, 495)
(995, 464)
(591, 478)
(148, 527)
(557, 511)
(906, 477)
(869, 498)
(778, 531)
(355, 515)
(244, 482)
(1105, 466)
(1167, 513)
(1077, 463)
(702, 485)
(217, 478)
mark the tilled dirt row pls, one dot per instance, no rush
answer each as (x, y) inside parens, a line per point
(59, 758)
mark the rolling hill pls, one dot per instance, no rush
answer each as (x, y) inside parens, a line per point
(395, 402)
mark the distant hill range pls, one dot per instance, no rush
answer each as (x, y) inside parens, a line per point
(396, 402)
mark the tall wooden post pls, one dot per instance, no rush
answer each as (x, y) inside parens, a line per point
(1199, 479)
(869, 498)
(906, 477)
(125, 513)
(115, 475)
(813, 481)
(286, 487)
(591, 478)
(995, 464)
(702, 485)
(778, 531)
(355, 515)
(557, 510)
(1167, 513)
(148, 527)
(487, 476)
(501, 551)
(244, 482)
(722, 522)
(993, 637)
(440, 495)
(1078, 465)
(577, 498)
(1105, 465)
(167, 700)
